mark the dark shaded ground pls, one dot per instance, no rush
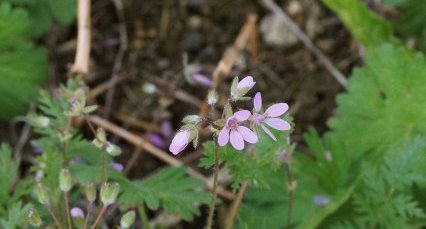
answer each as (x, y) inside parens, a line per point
(159, 32)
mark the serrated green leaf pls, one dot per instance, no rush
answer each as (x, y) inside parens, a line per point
(8, 171)
(170, 189)
(367, 27)
(384, 104)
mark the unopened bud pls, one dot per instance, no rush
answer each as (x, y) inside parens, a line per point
(65, 180)
(101, 135)
(149, 88)
(109, 193)
(77, 213)
(38, 120)
(91, 192)
(128, 219)
(191, 119)
(112, 149)
(42, 195)
(212, 97)
(33, 218)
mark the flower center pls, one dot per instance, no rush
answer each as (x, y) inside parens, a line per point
(258, 118)
(233, 124)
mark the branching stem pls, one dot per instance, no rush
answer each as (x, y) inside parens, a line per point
(89, 210)
(98, 218)
(214, 190)
(58, 224)
(67, 209)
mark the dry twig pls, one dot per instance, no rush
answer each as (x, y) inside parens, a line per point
(224, 66)
(323, 59)
(82, 56)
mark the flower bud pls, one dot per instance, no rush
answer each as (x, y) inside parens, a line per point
(109, 193)
(77, 213)
(33, 218)
(39, 121)
(42, 195)
(65, 180)
(191, 119)
(128, 219)
(112, 149)
(91, 192)
(101, 135)
(212, 97)
(149, 88)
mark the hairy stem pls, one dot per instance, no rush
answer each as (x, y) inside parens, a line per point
(67, 210)
(55, 219)
(89, 210)
(98, 218)
(214, 190)
(290, 190)
(235, 206)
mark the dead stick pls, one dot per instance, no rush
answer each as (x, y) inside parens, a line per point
(323, 59)
(224, 66)
(154, 151)
(82, 56)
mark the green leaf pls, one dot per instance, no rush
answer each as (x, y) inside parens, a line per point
(411, 21)
(64, 11)
(14, 26)
(384, 104)
(8, 171)
(25, 68)
(367, 27)
(170, 189)
(16, 216)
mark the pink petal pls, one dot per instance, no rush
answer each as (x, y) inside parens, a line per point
(277, 123)
(268, 132)
(223, 137)
(247, 82)
(276, 110)
(247, 134)
(202, 79)
(180, 141)
(237, 140)
(257, 102)
(242, 115)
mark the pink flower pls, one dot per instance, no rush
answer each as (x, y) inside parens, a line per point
(237, 133)
(270, 116)
(243, 87)
(180, 141)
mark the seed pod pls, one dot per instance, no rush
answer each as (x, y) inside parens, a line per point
(128, 219)
(42, 195)
(33, 218)
(91, 192)
(65, 180)
(109, 193)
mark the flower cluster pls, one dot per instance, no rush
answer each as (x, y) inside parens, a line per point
(237, 127)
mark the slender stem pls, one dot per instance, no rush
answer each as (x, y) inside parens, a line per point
(67, 209)
(235, 206)
(290, 190)
(214, 190)
(144, 217)
(98, 218)
(54, 217)
(89, 210)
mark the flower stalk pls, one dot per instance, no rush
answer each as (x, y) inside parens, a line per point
(214, 190)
